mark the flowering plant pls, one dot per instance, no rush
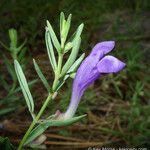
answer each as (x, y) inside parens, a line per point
(94, 66)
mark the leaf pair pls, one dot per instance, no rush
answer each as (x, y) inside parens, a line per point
(37, 131)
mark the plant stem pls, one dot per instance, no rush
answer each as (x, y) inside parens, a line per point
(35, 121)
(58, 71)
(55, 83)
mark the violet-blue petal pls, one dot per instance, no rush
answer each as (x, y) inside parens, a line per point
(85, 76)
(110, 64)
(102, 48)
(86, 72)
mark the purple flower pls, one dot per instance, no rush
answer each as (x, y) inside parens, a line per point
(94, 66)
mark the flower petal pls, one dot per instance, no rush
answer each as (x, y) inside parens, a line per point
(102, 48)
(85, 76)
(86, 72)
(110, 64)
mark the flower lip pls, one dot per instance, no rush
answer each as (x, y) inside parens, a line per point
(102, 48)
(110, 64)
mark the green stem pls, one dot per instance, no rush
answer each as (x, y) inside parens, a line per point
(35, 121)
(55, 83)
(58, 71)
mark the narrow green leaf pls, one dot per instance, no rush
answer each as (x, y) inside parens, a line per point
(41, 76)
(79, 31)
(24, 86)
(21, 46)
(72, 57)
(62, 18)
(67, 27)
(30, 84)
(50, 50)
(74, 52)
(65, 30)
(76, 64)
(21, 56)
(53, 37)
(48, 123)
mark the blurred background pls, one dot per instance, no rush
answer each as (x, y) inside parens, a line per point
(118, 106)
